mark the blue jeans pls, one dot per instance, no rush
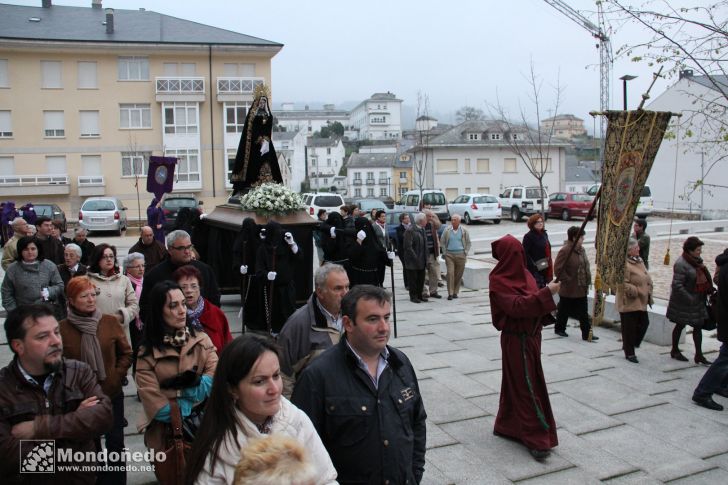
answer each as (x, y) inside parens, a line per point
(716, 377)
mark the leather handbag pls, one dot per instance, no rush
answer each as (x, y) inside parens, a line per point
(172, 470)
(711, 323)
(541, 264)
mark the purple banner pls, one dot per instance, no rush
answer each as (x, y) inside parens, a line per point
(160, 177)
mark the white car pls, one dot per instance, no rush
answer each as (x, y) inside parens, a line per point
(321, 200)
(476, 207)
(644, 205)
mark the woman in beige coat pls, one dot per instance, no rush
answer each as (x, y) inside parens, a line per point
(632, 300)
(116, 295)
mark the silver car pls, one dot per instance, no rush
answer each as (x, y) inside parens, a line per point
(103, 214)
(477, 207)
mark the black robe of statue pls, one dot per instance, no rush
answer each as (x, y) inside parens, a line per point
(251, 168)
(278, 300)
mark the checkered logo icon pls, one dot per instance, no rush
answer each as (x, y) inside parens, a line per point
(37, 456)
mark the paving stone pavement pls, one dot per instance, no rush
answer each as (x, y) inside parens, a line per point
(618, 423)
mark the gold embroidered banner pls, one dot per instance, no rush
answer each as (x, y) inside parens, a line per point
(632, 141)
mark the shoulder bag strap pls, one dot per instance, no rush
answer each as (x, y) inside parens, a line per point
(179, 449)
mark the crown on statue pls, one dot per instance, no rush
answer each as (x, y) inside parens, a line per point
(261, 89)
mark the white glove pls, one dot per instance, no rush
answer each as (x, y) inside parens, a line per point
(361, 235)
(243, 269)
(203, 215)
(264, 147)
(45, 294)
(271, 275)
(288, 237)
(390, 255)
(332, 231)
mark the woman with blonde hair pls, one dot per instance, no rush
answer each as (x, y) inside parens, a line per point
(632, 300)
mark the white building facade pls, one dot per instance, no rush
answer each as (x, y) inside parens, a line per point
(325, 159)
(378, 118)
(309, 120)
(371, 174)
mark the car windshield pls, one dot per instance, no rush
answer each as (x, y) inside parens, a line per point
(533, 193)
(646, 192)
(485, 199)
(98, 205)
(43, 210)
(434, 198)
(582, 197)
(179, 203)
(328, 201)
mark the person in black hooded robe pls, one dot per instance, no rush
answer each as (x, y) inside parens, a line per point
(256, 161)
(367, 256)
(244, 253)
(336, 240)
(276, 261)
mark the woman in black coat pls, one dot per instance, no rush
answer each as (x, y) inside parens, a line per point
(367, 256)
(538, 251)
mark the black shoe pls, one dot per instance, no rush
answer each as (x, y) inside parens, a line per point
(702, 360)
(633, 359)
(454, 296)
(707, 402)
(440, 284)
(415, 300)
(593, 339)
(540, 455)
(561, 333)
(677, 355)
(425, 299)
(722, 392)
(435, 295)
(449, 297)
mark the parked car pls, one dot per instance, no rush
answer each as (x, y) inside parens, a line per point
(103, 214)
(476, 207)
(644, 206)
(321, 200)
(520, 200)
(569, 204)
(50, 210)
(434, 199)
(392, 222)
(366, 205)
(171, 205)
(388, 201)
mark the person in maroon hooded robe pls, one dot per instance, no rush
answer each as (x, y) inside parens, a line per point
(517, 306)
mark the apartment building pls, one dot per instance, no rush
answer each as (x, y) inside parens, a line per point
(88, 94)
(378, 118)
(565, 126)
(325, 158)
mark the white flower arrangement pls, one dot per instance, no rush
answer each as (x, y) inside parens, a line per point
(271, 199)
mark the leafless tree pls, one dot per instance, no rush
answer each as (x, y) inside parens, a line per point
(421, 159)
(469, 113)
(531, 145)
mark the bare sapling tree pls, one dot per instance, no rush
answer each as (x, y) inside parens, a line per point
(137, 167)
(420, 161)
(532, 145)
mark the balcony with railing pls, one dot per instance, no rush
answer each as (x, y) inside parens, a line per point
(237, 88)
(39, 184)
(383, 181)
(370, 181)
(177, 88)
(403, 180)
(89, 185)
(357, 181)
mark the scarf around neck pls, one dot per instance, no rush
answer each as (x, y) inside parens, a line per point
(702, 276)
(193, 314)
(177, 339)
(137, 284)
(88, 325)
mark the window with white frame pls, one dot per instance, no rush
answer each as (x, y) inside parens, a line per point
(56, 165)
(328, 162)
(403, 175)
(229, 166)
(483, 165)
(370, 176)
(53, 124)
(235, 114)
(473, 136)
(495, 136)
(357, 175)
(510, 165)
(449, 165)
(89, 124)
(7, 166)
(51, 74)
(181, 117)
(4, 76)
(231, 69)
(382, 191)
(370, 192)
(135, 164)
(403, 190)
(186, 69)
(542, 165)
(516, 136)
(133, 68)
(188, 165)
(383, 175)
(87, 77)
(135, 116)
(357, 192)
(6, 124)
(466, 165)
(91, 165)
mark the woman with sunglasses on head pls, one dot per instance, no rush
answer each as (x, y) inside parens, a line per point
(117, 296)
(98, 340)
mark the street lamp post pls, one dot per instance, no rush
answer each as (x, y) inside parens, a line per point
(625, 78)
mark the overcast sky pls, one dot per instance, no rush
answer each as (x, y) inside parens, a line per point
(462, 52)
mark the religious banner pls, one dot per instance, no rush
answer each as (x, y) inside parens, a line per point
(160, 177)
(632, 141)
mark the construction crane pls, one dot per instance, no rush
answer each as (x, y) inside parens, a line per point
(605, 51)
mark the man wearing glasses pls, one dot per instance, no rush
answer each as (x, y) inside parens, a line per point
(179, 253)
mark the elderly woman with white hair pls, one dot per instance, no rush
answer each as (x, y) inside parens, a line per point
(70, 267)
(632, 300)
(80, 235)
(10, 250)
(134, 267)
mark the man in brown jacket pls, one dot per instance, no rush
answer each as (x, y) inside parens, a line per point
(44, 397)
(572, 270)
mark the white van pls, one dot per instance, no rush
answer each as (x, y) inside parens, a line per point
(433, 199)
(321, 200)
(644, 206)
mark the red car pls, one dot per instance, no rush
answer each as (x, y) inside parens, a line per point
(569, 204)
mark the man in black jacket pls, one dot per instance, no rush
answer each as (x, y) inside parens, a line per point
(715, 380)
(363, 398)
(414, 249)
(179, 248)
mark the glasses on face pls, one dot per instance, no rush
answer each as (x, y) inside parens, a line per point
(193, 287)
(182, 248)
(108, 256)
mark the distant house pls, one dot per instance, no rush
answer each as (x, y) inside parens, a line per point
(325, 158)
(378, 118)
(309, 120)
(565, 126)
(474, 156)
(579, 175)
(695, 158)
(371, 174)
(293, 145)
